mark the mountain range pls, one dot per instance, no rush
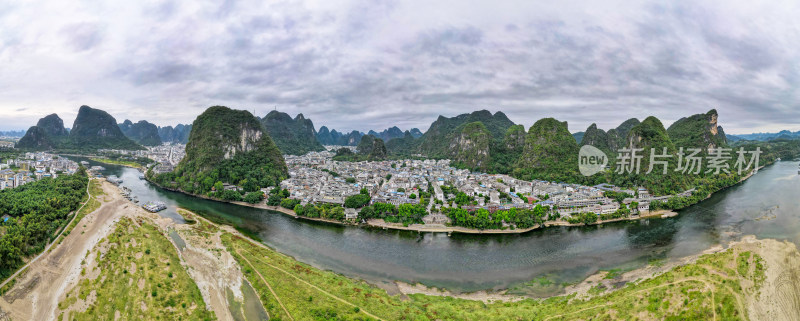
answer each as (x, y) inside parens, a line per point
(93, 129)
(480, 141)
(293, 136)
(142, 132)
(226, 146)
(784, 134)
(178, 134)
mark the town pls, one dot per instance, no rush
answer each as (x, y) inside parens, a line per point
(315, 178)
(28, 167)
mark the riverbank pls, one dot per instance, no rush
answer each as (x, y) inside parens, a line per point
(107, 161)
(441, 228)
(431, 228)
(117, 162)
(705, 285)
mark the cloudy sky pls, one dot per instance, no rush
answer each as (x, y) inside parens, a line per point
(373, 64)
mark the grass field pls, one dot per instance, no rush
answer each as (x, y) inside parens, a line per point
(116, 162)
(95, 190)
(137, 276)
(711, 289)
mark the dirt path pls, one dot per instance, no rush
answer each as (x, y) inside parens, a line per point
(212, 268)
(311, 285)
(46, 249)
(267, 283)
(708, 287)
(37, 293)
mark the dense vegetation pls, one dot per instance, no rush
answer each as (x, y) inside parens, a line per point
(358, 200)
(48, 133)
(292, 136)
(143, 253)
(405, 214)
(38, 210)
(710, 287)
(368, 149)
(123, 159)
(96, 129)
(403, 146)
(435, 142)
(550, 153)
(226, 146)
(142, 132)
(93, 129)
(512, 218)
(698, 131)
(327, 211)
(469, 146)
(36, 138)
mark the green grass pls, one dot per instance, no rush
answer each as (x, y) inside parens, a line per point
(168, 292)
(95, 190)
(116, 162)
(690, 292)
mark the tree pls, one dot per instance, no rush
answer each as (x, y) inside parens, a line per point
(218, 186)
(356, 201)
(254, 197)
(336, 213)
(289, 203)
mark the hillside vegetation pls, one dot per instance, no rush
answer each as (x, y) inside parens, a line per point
(292, 136)
(141, 132)
(38, 210)
(93, 129)
(226, 146)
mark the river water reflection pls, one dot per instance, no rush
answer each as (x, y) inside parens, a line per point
(766, 205)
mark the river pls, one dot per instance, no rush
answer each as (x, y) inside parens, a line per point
(766, 205)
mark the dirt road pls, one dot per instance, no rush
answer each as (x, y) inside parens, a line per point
(37, 293)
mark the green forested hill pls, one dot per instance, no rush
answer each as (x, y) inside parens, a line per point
(95, 129)
(36, 138)
(53, 126)
(142, 132)
(178, 134)
(598, 138)
(698, 131)
(333, 137)
(506, 153)
(617, 137)
(578, 136)
(371, 147)
(227, 146)
(48, 133)
(469, 146)
(404, 146)
(435, 142)
(550, 153)
(292, 136)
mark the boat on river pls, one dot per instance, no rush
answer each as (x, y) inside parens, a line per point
(154, 206)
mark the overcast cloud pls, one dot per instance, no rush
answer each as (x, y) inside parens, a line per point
(374, 64)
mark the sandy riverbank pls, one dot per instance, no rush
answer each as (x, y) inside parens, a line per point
(36, 293)
(778, 299)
